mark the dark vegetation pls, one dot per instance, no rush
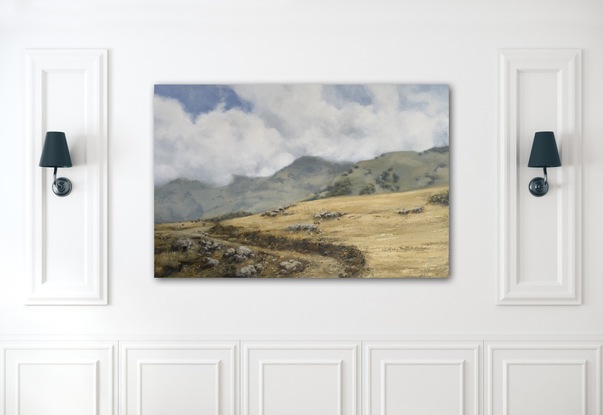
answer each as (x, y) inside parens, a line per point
(222, 252)
(226, 216)
(339, 188)
(439, 199)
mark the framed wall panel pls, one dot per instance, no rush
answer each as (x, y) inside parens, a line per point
(67, 236)
(554, 378)
(421, 378)
(539, 243)
(57, 378)
(300, 378)
(179, 377)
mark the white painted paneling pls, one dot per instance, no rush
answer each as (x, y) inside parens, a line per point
(67, 236)
(272, 41)
(185, 378)
(44, 378)
(319, 378)
(421, 378)
(540, 238)
(553, 379)
(311, 375)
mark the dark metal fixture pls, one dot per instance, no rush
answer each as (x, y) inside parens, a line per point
(55, 153)
(544, 154)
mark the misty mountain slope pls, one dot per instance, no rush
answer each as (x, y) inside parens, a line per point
(298, 181)
(306, 178)
(175, 200)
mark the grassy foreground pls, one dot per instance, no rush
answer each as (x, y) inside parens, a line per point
(348, 236)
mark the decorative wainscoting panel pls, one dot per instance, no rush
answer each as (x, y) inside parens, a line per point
(67, 236)
(543, 378)
(50, 378)
(184, 378)
(301, 376)
(539, 253)
(421, 378)
(318, 378)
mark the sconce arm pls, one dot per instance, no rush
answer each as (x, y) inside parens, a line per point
(61, 186)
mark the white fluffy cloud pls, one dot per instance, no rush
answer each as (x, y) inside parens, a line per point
(289, 121)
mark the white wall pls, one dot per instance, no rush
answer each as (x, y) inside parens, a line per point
(298, 41)
(294, 346)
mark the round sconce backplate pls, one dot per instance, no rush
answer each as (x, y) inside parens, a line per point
(538, 186)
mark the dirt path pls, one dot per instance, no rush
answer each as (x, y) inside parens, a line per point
(330, 260)
(186, 250)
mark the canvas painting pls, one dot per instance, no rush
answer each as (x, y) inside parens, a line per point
(301, 181)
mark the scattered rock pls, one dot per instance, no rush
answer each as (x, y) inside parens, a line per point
(248, 271)
(182, 244)
(206, 245)
(309, 227)
(418, 209)
(328, 215)
(244, 251)
(291, 266)
(241, 254)
(239, 258)
(282, 210)
(270, 213)
(212, 262)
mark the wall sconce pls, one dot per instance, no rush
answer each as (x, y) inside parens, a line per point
(544, 154)
(55, 153)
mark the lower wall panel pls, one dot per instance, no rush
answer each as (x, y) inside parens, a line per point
(510, 376)
(66, 378)
(422, 378)
(299, 378)
(178, 378)
(547, 378)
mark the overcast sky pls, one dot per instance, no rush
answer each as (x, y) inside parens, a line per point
(210, 132)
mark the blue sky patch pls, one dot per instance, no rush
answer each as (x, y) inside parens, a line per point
(200, 99)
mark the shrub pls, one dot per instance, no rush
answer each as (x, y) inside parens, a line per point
(369, 189)
(439, 199)
(340, 188)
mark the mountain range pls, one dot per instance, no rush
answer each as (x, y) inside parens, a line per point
(306, 178)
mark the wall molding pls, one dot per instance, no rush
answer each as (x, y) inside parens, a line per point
(94, 365)
(539, 362)
(460, 364)
(558, 71)
(587, 356)
(74, 228)
(99, 357)
(465, 355)
(302, 362)
(344, 356)
(222, 356)
(225, 370)
(140, 364)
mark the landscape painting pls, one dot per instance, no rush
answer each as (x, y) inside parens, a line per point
(301, 181)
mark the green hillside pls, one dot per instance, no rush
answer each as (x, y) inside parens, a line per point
(307, 178)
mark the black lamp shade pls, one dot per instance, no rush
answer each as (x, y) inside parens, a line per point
(544, 150)
(55, 152)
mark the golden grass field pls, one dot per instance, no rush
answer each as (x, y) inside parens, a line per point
(379, 242)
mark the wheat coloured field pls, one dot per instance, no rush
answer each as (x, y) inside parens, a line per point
(370, 239)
